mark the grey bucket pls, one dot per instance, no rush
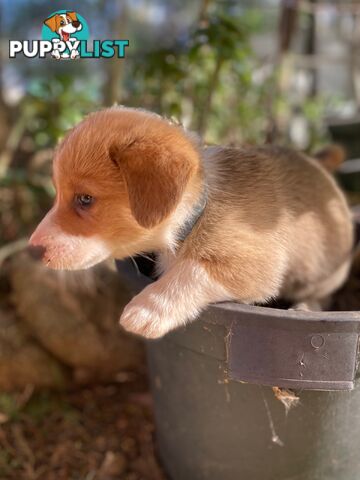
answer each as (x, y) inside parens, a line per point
(216, 414)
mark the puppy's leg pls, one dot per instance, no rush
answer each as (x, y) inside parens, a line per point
(310, 305)
(177, 297)
(317, 298)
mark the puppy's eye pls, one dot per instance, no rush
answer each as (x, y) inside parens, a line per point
(62, 22)
(83, 200)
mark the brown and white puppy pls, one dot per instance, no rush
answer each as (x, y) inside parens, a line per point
(127, 181)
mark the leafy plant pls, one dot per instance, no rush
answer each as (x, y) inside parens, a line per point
(206, 81)
(57, 104)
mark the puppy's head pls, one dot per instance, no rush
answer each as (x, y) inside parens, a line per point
(119, 176)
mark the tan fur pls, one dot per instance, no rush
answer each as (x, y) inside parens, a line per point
(278, 215)
(275, 223)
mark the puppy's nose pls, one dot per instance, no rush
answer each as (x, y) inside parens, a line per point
(76, 23)
(37, 252)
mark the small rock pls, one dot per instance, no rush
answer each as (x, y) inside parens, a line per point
(114, 464)
(3, 418)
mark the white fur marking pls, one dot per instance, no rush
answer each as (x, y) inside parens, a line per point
(173, 300)
(73, 252)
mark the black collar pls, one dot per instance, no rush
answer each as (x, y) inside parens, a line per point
(191, 221)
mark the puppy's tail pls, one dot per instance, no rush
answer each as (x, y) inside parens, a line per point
(331, 157)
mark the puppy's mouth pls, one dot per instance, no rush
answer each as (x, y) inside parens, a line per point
(74, 252)
(55, 261)
(65, 36)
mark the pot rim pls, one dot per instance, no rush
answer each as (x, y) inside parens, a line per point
(326, 316)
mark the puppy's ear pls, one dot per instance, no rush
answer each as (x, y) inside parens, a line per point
(51, 23)
(331, 157)
(72, 15)
(155, 177)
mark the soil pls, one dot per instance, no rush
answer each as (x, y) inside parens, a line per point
(98, 433)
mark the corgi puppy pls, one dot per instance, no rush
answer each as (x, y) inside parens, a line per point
(241, 224)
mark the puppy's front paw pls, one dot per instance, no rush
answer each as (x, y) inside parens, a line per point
(144, 321)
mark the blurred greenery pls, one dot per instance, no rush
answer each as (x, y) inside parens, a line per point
(9, 406)
(193, 81)
(54, 107)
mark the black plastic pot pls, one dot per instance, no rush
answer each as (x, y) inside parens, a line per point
(217, 417)
(211, 426)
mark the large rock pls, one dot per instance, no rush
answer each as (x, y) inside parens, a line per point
(62, 327)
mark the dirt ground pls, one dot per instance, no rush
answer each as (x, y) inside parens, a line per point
(98, 433)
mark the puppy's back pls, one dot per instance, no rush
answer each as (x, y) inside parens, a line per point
(268, 181)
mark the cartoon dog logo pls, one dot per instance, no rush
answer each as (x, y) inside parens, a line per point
(64, 25)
